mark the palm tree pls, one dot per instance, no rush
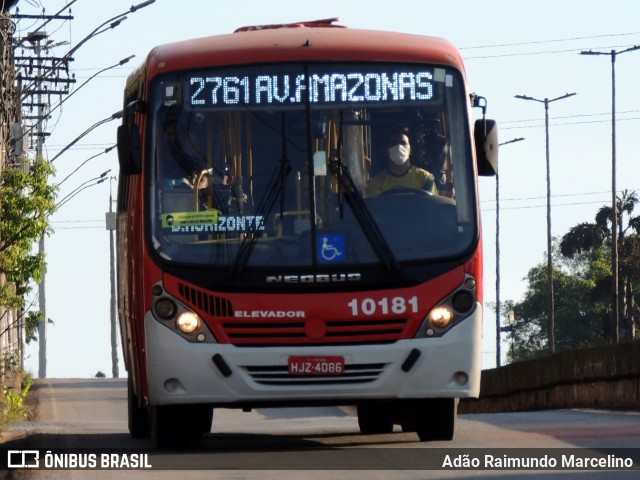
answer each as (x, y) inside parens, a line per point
(586, 237)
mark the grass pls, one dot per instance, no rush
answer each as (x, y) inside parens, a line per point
(13, 407)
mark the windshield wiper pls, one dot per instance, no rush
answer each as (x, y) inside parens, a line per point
(276, 189)
(361, 212)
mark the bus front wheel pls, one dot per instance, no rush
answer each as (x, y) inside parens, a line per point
(373, 419)
(138, 414)
(174, 426)
(435, 418)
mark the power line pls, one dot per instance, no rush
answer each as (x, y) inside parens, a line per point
(81, 228)
(561, 117)
(558, 195)
(77, 221)
(544, 52)
(543, 42)
(543, 205)
(557, 40)
(572, 123)
(526, 207)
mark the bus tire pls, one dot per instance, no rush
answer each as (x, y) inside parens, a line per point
(138, 415)
(435, 419)
(168, 428)
(203, 418)
(373, 419)
(174, 426)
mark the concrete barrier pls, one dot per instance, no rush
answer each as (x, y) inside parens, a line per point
(606, 376)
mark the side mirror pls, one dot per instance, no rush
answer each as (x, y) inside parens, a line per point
(486, 138)
(129, 149)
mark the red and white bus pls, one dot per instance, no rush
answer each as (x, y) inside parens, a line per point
(254, 268)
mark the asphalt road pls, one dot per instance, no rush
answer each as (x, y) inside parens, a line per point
(73, 415)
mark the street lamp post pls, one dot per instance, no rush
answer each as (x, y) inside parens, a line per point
(111, 226)
(498, 306)
(113, 116)
(550, 300)
(74, 171)
(614, 200)
(83, 186)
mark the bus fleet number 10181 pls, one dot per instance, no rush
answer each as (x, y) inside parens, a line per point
(383, 306)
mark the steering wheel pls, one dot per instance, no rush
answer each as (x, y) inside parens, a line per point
(406, 191)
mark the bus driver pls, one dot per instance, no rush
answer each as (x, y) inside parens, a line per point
(400, 172)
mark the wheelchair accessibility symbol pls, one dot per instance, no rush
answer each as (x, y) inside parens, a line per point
(331, 248)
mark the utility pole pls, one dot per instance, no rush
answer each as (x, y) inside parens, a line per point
(40, 90)
(111, 227)
(615, 295)
(550, 301)
(50, 80)
(36, 39)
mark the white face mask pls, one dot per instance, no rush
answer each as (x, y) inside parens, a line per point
(399, 154)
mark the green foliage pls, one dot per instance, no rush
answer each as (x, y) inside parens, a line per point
(31, 322)
(12, 404)
(586, 238)
(10, 363)
(578, 311)
(582, 283)
(26, 202)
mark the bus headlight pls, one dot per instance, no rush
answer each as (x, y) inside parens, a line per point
(179, 317)
(440, 317)
(188, 322)
(450, 311)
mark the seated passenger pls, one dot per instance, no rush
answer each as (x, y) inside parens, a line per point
(400, 172)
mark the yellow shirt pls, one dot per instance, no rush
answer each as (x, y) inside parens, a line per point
(414, 178)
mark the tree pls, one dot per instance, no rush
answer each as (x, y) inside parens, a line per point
(587, 237)
(26, 202)
(578, 313)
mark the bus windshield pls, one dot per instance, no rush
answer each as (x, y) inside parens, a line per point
(305, 165)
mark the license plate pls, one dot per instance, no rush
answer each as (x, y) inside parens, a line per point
(316, 365)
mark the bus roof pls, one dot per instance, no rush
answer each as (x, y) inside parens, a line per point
(304, 41)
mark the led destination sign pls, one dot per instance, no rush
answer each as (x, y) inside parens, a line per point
(281, 87)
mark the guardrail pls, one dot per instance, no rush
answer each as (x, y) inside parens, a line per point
(606, 376)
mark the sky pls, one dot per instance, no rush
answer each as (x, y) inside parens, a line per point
(528, 47)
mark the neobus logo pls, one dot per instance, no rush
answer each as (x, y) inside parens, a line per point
(315, 278)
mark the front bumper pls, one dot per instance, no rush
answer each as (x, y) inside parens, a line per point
(180, 372)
